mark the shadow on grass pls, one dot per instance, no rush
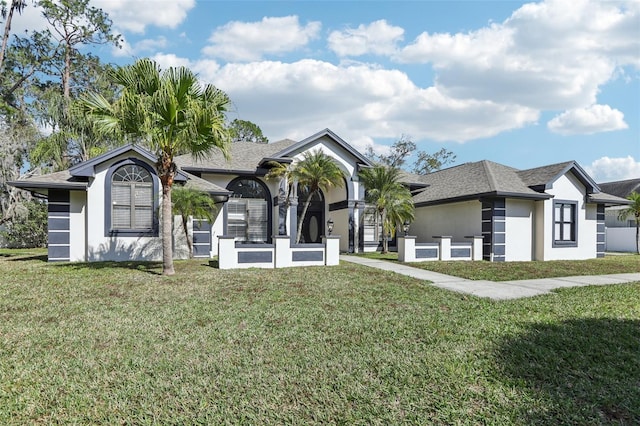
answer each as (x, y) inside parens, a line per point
(154, 268)
(583, 371)
(20, 258)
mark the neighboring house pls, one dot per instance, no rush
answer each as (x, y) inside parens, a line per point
(545, 213)
(622, 189)
(106, 208)
(620, 234)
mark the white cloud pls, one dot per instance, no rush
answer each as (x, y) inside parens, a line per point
(136, 15)
(361, 102)
(607, 169)
(250, 41)
(378, 38)
(143, 46)
(548, 55)
(586, 121)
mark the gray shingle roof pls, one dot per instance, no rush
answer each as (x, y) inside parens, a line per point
(245, 157)
(194, 182)
(621, 188)
(472, 181)
(541, 176)
(57, 180)
(607, 199)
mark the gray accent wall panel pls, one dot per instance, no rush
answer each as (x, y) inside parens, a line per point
(460, 252)
(431, 253)
(494, 229)
(307, 256)
(255, 257)
(59, 253)
(201, 238)
(58, 222)
(56, 238)
(600, 231)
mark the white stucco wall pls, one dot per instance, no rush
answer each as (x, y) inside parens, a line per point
(568, 187)
(519, 226)
(77, 226)
(457, 220)
(621, 239)
(100, 247)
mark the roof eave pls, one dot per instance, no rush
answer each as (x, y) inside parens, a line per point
(254, 172)
(326, 132)
(493, 194)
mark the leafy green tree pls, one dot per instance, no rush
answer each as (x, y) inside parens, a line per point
(28, 229)
(634, 211)
(189, 202)
(7, 11)
(16, 139)
(428, 163)
(169, 112)
(246, 131)
(76, 23)
(403, 149)
(398, 153)
(391, 199)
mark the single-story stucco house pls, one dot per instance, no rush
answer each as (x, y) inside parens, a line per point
(106, 208)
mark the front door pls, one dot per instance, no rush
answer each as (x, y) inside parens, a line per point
(313, 222)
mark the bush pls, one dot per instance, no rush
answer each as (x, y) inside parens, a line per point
(28, 230)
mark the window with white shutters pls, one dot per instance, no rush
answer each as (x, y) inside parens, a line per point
(131, 198)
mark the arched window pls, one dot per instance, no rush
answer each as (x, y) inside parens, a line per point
(248, 213)
(131, 200)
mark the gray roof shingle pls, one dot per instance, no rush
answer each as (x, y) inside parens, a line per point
(474, 180)
(621, 188)
(245, 157)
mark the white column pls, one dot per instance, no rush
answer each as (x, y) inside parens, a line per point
(476, 246)
(445, 246)
(227, 255)
(282, 248)
(332, 250)
(406, 249)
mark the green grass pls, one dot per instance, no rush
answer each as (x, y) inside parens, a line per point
(509, 271)
(111, 343)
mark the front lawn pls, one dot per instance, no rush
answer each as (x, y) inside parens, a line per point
(509, 271)
(114, 343)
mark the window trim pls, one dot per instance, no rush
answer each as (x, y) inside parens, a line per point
(146, 232)
(574, 223)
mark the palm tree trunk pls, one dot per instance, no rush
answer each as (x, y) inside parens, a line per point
(301, 218)
(385, 242)
(185, 227)
(638, 235)
(167, 230)
(7, 30)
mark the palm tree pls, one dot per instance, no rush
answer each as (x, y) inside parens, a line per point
(389, 197)
(316, 172)
(633, 210)
(191, 202)
(172, 114)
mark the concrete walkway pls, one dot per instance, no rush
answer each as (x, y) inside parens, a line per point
(494, 290)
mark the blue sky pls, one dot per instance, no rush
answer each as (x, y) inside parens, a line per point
(523, 84)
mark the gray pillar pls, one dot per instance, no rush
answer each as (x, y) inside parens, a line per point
(282, 206)
(293, 212)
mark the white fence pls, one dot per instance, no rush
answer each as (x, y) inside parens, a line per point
(280, 254)
(620, 239)
(444, 249)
